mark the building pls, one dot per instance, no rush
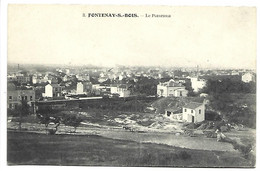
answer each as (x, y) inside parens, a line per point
(248, 77)
(15, 96)
(52, 90)
(197, 84)
(193, 112)
(83, 77)
(171, 88)
(84, 87)
(174, 113)
(121, 90)
(37, 79)
(23, 78)
(11, 77)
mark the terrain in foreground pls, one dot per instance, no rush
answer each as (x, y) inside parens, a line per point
(40, 149)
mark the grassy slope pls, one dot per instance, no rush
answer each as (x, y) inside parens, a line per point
(30, 148)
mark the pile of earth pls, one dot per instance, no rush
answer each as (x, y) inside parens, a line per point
(173, 102)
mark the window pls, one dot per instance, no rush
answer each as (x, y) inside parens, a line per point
(30, 97)
(10, 106)
(22, 97)
(200, 111)
(180, 93)
(10, 97)
(191, 111)
(25, 97)
(185, 110)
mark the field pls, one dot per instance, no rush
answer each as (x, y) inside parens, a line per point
(40, 149)
(151, 140)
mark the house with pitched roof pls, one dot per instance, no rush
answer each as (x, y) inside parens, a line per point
(121, 90)
(171, 88)
(193, 112)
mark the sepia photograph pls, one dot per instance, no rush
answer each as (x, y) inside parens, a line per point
(131, 85)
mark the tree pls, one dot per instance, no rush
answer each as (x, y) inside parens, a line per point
(228, 86)
(72, 120)
(146, 86)
(23, 110)
(47, 116)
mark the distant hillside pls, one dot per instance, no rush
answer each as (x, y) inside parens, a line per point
(167, 102)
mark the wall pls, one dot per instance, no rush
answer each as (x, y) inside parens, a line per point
(18, 95)
(181, 93)
(80, 88)
(197, 84)
(200, 117)
(187, 116)
(48, 91)
(168, 91)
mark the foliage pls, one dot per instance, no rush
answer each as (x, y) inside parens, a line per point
(232, 111)
(46, 110)
(189, 88)
(72, 120)
(228, 86)
(20, 111)
(232, 99)
(48, 115)
(212, 116)
(147, 86)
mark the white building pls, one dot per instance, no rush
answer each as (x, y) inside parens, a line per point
(248, 77)
(122, 91)
(36, 79)
(83, 77)
(171, 88)
(197, 83)
(174, 113)
(84, 87)
(193, 112)
(52, 90)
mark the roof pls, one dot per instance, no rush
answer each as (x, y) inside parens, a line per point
(54, 85)
(174, 109)
(172, 83)
(180, 89)
(192, 105)
(11, 86)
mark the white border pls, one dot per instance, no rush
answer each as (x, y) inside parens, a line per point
(3, 61)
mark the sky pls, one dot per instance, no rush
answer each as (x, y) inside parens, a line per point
(211, 37)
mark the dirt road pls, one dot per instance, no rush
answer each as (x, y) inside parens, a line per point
(200, 142)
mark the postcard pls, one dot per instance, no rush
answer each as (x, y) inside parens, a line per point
(131, 85)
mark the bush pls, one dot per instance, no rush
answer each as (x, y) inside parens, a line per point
(212, 116)
(72, 120)
(52, 131)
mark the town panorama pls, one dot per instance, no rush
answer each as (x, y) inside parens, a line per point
(131, 116)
